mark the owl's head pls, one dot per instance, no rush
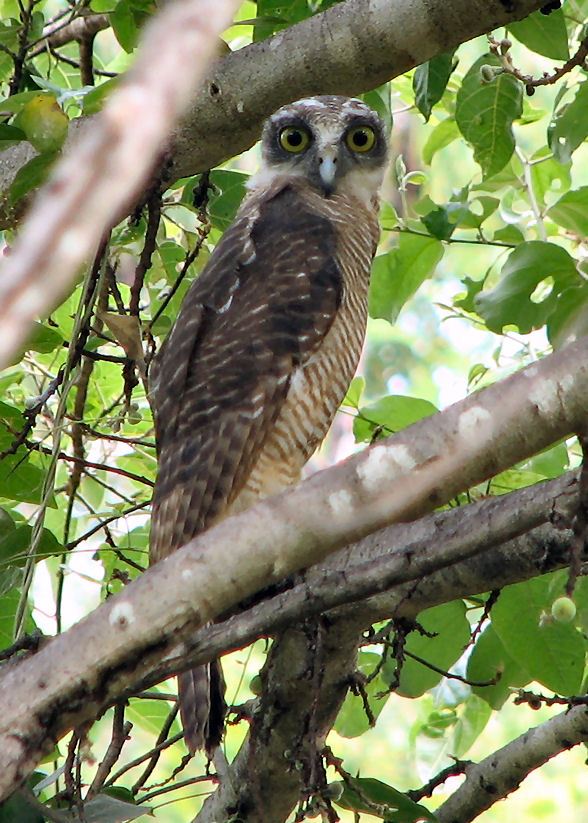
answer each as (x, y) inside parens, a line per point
(337, 143)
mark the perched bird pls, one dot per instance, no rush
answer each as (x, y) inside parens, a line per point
(267, 340)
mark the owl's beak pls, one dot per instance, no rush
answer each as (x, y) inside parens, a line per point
(328, 167)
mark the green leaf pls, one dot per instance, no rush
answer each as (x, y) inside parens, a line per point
(569, 319)
(451, 630)
(9, 603)
(224, 202)
(93, 101)
(14, 546)
(352, 720)
(107, 809)
(150, 715)
(31, 176)
(17, 102)
(549, 176)
(474, 714)
(17, 810)
(390, 414)
(490, 659)
(430, 81)
(543, 34)
(569, 125)
(366, 794)
(20, 479)
(442, 135)
(528, 266)
(354, 392)
(10, 135)
(442, 221)
(379, 100)
(485, 113)
(397, 274)
(571, 211)
(124, 25)
(552, 653)
(274, 15)
(43, 339)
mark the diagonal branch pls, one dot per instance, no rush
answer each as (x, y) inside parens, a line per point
(348, 49)
(503, 771)
(418, 469)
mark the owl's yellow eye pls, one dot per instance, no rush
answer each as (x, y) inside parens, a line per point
(294, 139)
(360, 138)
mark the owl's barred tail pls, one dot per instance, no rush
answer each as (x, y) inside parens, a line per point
(201, 694)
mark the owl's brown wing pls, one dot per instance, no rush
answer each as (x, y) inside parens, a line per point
(260, 309)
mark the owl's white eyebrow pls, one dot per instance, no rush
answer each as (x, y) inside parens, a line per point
(313, 101)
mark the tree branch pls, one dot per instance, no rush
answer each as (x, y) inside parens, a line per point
(503, 771)
(348, 49)
(421, 467)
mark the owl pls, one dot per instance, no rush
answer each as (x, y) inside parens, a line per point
(267, 340)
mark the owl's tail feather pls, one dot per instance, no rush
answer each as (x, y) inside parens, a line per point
(201, 693)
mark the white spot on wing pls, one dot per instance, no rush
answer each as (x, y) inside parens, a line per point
(226, 306)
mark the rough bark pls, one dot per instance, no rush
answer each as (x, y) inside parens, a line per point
(424, 466)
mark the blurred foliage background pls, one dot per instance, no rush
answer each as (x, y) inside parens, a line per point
(481, 269)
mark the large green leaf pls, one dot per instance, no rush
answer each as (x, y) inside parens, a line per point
(150, 715)
(442, 135)
(14, 546)
(31, 175)
(390, 414)
(373, 797)
(516, 300)
(430, 80)
(490, 660)
(544, 34)
(397, 274)
(569, 126)
(274, 15)
(17, 810)
(229, 190)
(549, 177)
(352, 719)
(124, 25)
(571, 211)
(450, 632)
(485, 113)
(552, 653)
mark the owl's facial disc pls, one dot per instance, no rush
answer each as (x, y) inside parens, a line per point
(337, 144)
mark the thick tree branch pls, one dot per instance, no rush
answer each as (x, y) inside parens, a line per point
(504, 770)
(261, 761)
(348, 49)
(105, 170)
(422, 467)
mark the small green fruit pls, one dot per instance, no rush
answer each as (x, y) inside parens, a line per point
(563, 610)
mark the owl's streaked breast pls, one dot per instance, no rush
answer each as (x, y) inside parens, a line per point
(318, 387)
